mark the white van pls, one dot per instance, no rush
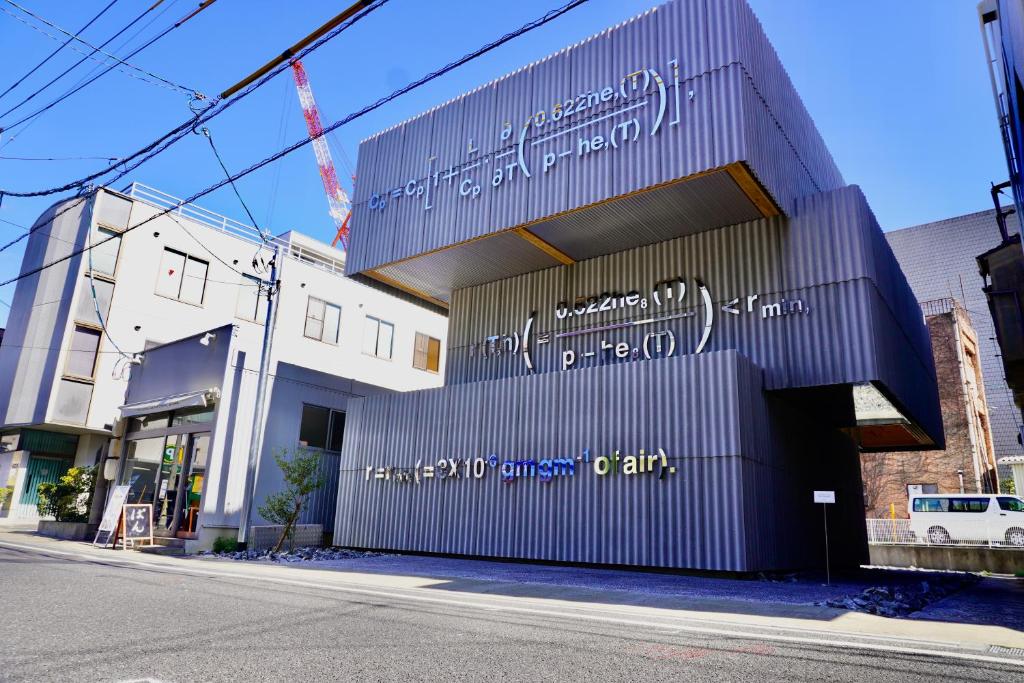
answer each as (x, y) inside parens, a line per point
(986, 518)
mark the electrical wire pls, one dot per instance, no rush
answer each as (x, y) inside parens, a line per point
(227, 174)
(75, 65)
(17, 225)
(215, 108)
(95, 69)
(55, 52)
(282, 134)
(536, 23)
(6, 158)
(69, 93)
(94, 48)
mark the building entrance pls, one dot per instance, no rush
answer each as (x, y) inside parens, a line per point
(165, 465)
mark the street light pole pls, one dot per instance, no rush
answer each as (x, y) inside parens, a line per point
(256, 439)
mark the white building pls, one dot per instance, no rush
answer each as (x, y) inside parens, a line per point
(63, 378)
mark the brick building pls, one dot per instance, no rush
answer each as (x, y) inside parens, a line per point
(969, 449)
(939, 262)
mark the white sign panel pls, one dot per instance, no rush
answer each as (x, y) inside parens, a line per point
(824, 496)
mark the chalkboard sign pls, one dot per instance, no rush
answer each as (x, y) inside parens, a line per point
(137, 524)
(111, 517)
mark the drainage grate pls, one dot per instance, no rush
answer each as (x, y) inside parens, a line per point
(1000, 650)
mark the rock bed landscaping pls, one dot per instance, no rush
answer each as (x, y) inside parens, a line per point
(902, 600)
(304, 554)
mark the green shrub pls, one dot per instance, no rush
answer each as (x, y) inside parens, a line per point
(225, 544)
(302, 478)
(68, 500)
(1008, 486)
(5, 494)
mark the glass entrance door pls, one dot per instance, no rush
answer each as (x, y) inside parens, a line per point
(199, 446)
(171, 464)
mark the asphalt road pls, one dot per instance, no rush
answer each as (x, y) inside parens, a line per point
(75, 620)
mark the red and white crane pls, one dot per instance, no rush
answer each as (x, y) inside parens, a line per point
(337, 199)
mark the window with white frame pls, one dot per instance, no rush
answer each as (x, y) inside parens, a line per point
(427, 354)
(182, 277)
(252, 303)
(378, 338)
(322, 320)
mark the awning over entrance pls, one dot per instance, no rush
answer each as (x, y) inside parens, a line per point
(192, 399)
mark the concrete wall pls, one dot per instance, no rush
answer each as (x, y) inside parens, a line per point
(963, 559)
(32, 352)
(32, 357)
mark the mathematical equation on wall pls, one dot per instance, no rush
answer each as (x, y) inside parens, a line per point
(654, 333)
(511, 469)
(600, 121)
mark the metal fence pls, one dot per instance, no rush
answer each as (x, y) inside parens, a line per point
(899, 532)
(332, 263)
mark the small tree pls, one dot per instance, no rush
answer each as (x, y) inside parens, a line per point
(302, 477)
(68, 500)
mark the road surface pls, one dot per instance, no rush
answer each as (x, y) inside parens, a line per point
(82, 618)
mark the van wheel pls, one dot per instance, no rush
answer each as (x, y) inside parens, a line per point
(1015, 536)
(938, 535)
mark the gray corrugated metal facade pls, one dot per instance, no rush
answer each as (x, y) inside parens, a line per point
(689, 89)
(709, 296)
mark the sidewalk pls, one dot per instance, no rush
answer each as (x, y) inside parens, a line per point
(975, 619)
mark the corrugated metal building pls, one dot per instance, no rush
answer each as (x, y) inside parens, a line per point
(663, 302)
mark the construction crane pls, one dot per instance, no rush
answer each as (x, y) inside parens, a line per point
(338, 201)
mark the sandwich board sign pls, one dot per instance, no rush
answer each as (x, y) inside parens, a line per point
(137, 524)
(111, 517)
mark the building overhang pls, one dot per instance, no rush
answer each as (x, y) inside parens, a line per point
(702, 201)
(678, 121)
(192, 399)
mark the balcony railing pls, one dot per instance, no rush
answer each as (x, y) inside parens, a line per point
(210, 219)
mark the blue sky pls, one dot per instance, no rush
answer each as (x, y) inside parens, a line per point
(899, 92)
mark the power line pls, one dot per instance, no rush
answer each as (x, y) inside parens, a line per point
(55, 52)
(94, 48)
(69, 93)
(181, 131)
(5, 158)
(61, 75)
(17, 225)
(227, 174)
(536, 23)
(95, 69)
(214, 109)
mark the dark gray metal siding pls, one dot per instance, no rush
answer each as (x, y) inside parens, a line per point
(864, 323)
(734, 491)
(743, 108)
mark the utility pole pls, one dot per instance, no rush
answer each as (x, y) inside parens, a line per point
(256, 439)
